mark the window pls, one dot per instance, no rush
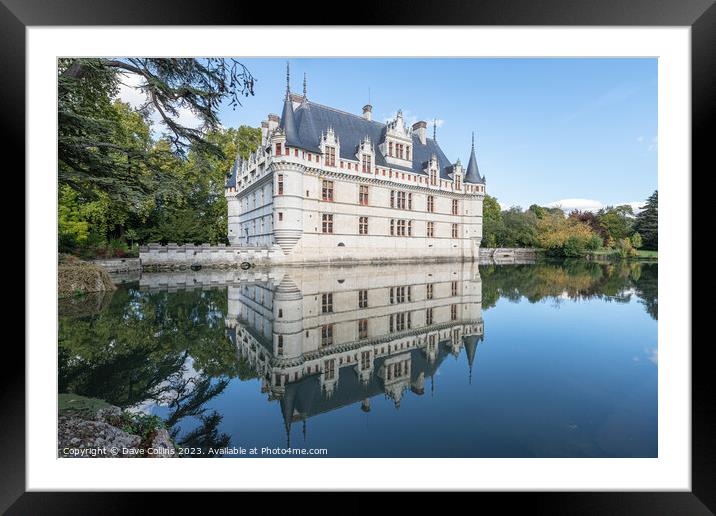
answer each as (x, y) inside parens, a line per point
(454, 231)
(280, 312)
(433, 177)
(431, 204)
(279, 348)
(401, 227)
(453, 288)
(457, 182)
(431, 230)
(407, 152)
(326, 335)
(363, 195)
(363, 329)
(392, 198)
(366, 163)
(453, 312)
(327, 191)
(410, 201)
(326, 303)
(363, 225)
(410, 228)
(392, 227)
(280, 216)
(327, 223)
(429, 316)
(362, 299)
(278, 149)
(330, 156)
(364, 360)
(329, 369)
(398, 322)
(279, 188)
(390, 148)
(454, 207)
(429, 291)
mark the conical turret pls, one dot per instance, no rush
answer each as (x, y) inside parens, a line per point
(472, 175)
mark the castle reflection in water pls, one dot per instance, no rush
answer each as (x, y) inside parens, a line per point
(322, 339)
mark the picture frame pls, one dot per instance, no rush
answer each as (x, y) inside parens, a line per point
(700, 15)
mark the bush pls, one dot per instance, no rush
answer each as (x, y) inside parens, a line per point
(625, 248)
(594, 243)
(574, 247)
(636, 241)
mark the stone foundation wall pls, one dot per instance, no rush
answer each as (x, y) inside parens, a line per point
(504, 255)
(173, 256)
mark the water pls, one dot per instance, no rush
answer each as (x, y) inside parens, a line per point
(547, 360)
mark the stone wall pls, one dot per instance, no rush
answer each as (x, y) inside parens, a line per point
(118, 264)
(505, 255)
(174, 256)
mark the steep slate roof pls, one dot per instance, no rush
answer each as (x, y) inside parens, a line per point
(304, 125)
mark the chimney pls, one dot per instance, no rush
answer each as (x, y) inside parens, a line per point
(273, 121)
(368, 112)
(421, 128)
(264, 132)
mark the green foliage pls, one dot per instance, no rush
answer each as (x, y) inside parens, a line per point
(615, 222)
(562, 236)
(647, 222)
(636, 240)
(625, 248)
(594, 243)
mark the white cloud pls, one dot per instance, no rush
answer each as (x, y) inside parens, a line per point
(639, 139)
(130, 93)
(592, 205)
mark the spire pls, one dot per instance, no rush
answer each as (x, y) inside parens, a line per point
(288, 123)
(304, 85)
(288, 81)
(472, 175)
(435, 130)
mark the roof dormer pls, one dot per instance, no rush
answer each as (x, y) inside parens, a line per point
(398, 141)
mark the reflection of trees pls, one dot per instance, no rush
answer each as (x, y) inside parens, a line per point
(574, 279)
(168, 348)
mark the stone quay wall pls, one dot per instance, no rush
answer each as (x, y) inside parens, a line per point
(174, 256)
(118, 264)
(157, 257)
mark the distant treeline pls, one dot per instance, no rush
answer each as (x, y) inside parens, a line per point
(575, 233)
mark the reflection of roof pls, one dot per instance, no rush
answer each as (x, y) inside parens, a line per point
(306, 399)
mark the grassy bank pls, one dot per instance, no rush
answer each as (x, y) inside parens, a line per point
(77, 278)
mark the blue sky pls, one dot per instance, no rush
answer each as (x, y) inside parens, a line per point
(579, 131)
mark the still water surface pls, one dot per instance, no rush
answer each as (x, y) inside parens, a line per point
(439, 360)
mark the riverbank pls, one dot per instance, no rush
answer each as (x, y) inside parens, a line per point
(613, 254)
(92, 428)
(76, 277)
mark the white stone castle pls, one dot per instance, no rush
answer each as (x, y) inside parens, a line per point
(325, 184)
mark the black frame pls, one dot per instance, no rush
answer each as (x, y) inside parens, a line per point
(700, 15)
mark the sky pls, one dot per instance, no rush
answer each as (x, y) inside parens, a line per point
(579, 133)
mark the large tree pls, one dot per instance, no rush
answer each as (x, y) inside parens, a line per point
(94, 153)
(647, 222)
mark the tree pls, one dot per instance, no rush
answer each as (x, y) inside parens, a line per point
(636, 240)
(563, 236)
(647, 222)
(615, 222)
(95, 155)
(491, 220)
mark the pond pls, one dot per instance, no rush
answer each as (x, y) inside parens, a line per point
(436, 360)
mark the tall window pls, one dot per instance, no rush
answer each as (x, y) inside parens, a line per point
(363, 329)
(327, 190)
(433, 177)
(453, 288)
(279, 348)
(392, 198)
(363, 225)
(330, 156)
(454, 207)
(327, 303)
(366, 162)
(453, 312)
(362, 299)
(327, 223)
(407, 152)
(454, 231)
(431, 203)
(363, 195)
(365, 360)
(326, 335)
(401, 227)
(278, 149)
(410, 200)
(429, 291)
(410, 228)
(390, 148)
(279, 183)
(329, 369)
(431, 230)
(392, 227)
(429, 316)
(457, 182)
